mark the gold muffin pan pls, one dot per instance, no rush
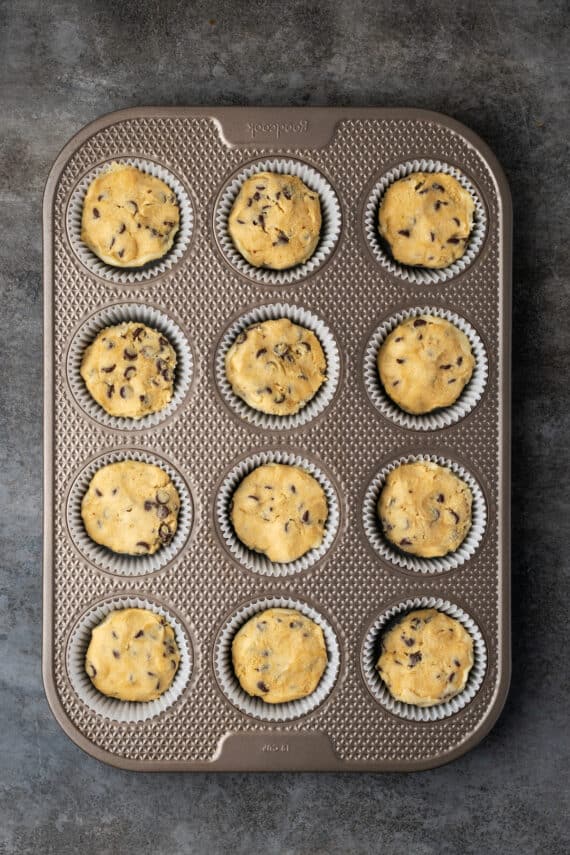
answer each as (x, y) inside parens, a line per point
(206, 582)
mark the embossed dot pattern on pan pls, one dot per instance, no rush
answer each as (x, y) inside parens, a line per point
(350, 439)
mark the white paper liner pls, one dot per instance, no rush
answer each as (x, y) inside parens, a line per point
(321, 399)
(122, 275)
(254, 706)
(114, 562)
(373, 526)
(330, 227)
(256, 561)
(112, 708)
(423, 275)
(444, 416)
(379, 690)
(118, 314)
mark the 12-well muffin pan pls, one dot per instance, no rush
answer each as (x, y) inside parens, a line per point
(206, 583)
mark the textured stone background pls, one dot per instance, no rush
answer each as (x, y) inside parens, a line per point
(498, 67)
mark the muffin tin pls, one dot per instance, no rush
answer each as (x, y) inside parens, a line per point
(349, 438)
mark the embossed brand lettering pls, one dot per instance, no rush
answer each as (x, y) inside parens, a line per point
(275, 746)
(275, 129)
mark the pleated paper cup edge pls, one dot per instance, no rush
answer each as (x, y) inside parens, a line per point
(330, 227)
(255, 707)
(444, 416)
(121, 564)
(153, 269)
(112, 316)
(114, 709)
(412, 712)
(423, 275)
(257, 562)
(324, 395)
(427, 566)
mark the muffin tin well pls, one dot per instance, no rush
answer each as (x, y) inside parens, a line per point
(201, 295)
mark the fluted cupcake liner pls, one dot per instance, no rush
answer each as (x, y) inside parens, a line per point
(114, 562)
(330, 227)
(422, 275)
(112, 708)
(122, 275)
(386, 550)
(256, 561)
(323, 396)
(254, 706)
(112, 316)
(444, 416)
(371, 652)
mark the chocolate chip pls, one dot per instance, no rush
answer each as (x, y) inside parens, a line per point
(281, 239)
(421, 192)
(400, 338)
(459, 360)
(432, 236)
(262, 625)
(260, 352)
(287, 193)
(120, 253)
(122, 229)
(405, 542)
(108, 369)
(278, 399)
(112, 244)
(143, 544)
(162, 512)
(295, 624)
(439, 187)
(400, 361)
(451, 677)
(93, 670)
(409, 642)
(98, 492)
(241, 338)
(129, 353)
(116, 654)
(110, 390)
(305, 345)
(452, 381)
(255, 499)
(456, 220)
(419, 322)
(420, 184)
(454, 515)
(261, 219)
(293, 488)
(445, 367)
(126, 392)
(262, 687)
(154, 232)
(396, 383)
(453, 240)
(148, 505)
(134, 205)
(138, 332)
(414, 659)
(139, 634)
(404, 232)
(457, 663)
(96, 213)
(163, 342)
(161, 365)
(306, 517)
(437, 205)
(129, 372)
(168, 223)
(441, 498)
(260, 186)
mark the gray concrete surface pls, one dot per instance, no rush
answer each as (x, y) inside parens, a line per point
(498, 67)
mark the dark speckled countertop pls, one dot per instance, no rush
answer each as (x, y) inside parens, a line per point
(500, 68)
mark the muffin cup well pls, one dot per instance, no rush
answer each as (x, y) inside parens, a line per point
(112, 708)
(129, 275)
(387, 551)
(330, 227)
(318, 402)
(256, 561)
(114, 562)
(422, 275)
(371, 652)
(443, 416)
(118, 314)
(256, 707)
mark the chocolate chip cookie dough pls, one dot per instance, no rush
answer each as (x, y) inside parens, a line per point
(426, 658)
(276, 366)
(129, 370)
(279, 655)
(131, 507)
(425, 363)
(279, 510)
(426, 218)
(133, 655)
(275, 220)
(129, 217)
(425, 509)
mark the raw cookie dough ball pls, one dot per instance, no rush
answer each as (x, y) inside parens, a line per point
(280, 510)
(129, 217)
(276, 366)
(275, 220)
(425, 509)
(131, 507)
(132, 655)
(427, 219)
(129, 370)
(279, 655)
(426, 658)
(425, 363)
